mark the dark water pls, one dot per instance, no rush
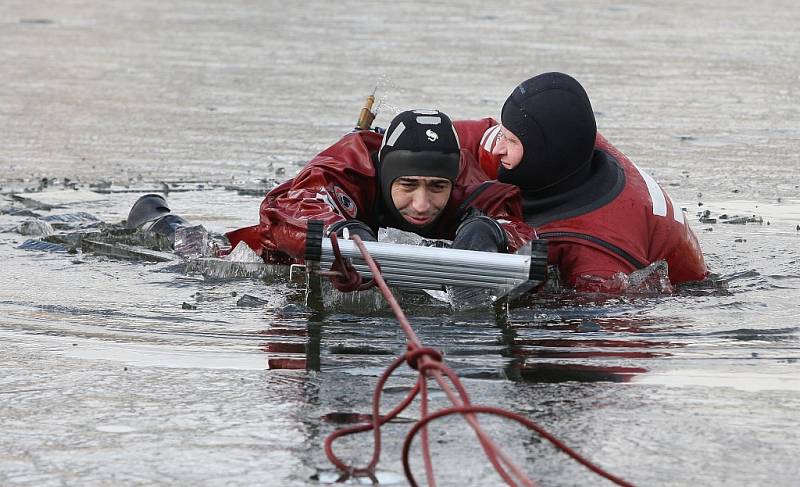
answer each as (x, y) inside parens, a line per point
(109, 361)
(118, 372)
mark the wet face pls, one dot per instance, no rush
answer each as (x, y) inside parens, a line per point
(420, 199)
(508, 148)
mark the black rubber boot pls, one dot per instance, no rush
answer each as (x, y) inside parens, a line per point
(151, 213)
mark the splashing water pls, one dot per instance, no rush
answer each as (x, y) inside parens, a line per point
(652, 280)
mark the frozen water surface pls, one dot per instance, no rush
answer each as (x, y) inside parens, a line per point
(125, 370)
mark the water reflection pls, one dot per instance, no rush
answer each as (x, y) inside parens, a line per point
(582, 360)
(575, 343)
(552, 372)
(292, 347)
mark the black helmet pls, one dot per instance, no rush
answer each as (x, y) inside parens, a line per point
(551, 115)
(417, 143)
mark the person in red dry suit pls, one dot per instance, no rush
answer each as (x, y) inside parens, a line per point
(600, 213)
(415, 177)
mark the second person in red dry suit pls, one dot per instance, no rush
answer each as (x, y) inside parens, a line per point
(601, 214)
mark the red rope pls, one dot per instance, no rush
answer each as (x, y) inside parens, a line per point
(429, 364)
(343, 275)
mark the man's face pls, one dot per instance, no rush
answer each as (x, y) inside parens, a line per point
(420, 199)
(509, 148)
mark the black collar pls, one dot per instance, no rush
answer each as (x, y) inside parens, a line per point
(605, 182)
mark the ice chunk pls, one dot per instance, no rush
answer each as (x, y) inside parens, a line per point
(65, 221)
(466, 298)
(34, 228)
(653, 279)
(126, 252)
(42, 246)
(243, 253)
(369, 301)
(16, 211)
(55, 199)
(117, 235)
(393, 235)
(192, 242)
(248, 301)
(214, 268)
(241, 262)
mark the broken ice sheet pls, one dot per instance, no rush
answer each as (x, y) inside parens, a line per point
(243, 253)
(192, 242)
(40, 246)
(34, 228)
(242, 262)
(55, 199)
(69, 221)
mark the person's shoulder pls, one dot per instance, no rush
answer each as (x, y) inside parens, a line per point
(353, 153)
(474, 125)
(362, 141)
(489, 192)
(472, 132)
(613, 155)
(493, 185)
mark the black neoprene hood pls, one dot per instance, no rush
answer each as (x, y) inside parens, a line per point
(417, 143)
(552, 116)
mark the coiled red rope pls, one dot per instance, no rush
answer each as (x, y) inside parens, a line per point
(429, 364)
(343, 275)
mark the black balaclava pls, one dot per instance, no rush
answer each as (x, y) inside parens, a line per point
(417, 143)
(553, 118)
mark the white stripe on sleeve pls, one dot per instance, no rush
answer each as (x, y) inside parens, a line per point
(491, 136)
(656, 195)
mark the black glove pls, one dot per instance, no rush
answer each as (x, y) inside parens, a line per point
(481, 233)
(354, 227)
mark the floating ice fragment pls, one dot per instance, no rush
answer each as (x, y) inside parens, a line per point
(70, 221)
(54, 199)
(467, 298)
(393, 235)
(17, 211)
(192, 242)
(35, 228)
(243, 253)
(41, 246)
(248, 301)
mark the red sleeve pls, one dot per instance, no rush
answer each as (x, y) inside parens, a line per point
(685, 259)
(478, 137)
(471, 132)
(337, 184)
